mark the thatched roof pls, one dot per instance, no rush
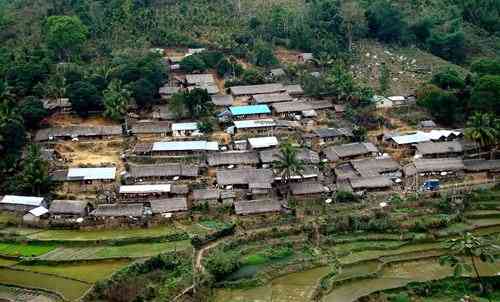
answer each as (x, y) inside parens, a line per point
(222, 100)
(232, 158)
(337, 152)
(333, 132)
(374, 166)
(272, 98)
(179, 189)
(345, 171)
(373, 182)
(257, 89)
(77, 131)
(305, 155)
(257, 206)
(140, 148)
(200, 79)
(429, 148)
(439, 165)
(68, 207)
(159, 206)
(478, 165)
(294, 106)
(294, 89)
(205, 194)
(305, 188)
(163, 170)
(150, 127)
(118, 210)
(244, 176)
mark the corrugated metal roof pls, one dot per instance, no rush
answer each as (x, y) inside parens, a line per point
(186, 146)
(184, 126)
(91, 173)
(255, 123)
(257, 89)
(263, 142)
(420, 136)
(22, 200)
(145, 189)
(39, 211)
(251, 109)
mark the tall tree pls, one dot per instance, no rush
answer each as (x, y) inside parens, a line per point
(471, 248)
(288, 163)
(354, 20)
(483, 129)
(65, 35)
(116, 100)
(34, 177)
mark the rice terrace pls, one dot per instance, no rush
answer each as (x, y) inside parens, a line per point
(250, 151)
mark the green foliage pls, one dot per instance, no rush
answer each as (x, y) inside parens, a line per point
(116, 100)
(263, 55)
(401, 298)
(385, 21)
(345, 196)
(483, 128)
(84, 97)
(32, 112)
(206, 125)
(486, 66)
(65, 35)
(143, 92)
(222, 263)
(12, 136)
(193, 63)
(486, 94)
(198, 103)
(228, 67)
(34, 176)
(288, 163)
(443, 105)
(384, 79)
(449, 45)
(448, 79)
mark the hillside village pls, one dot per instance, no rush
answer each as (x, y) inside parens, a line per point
(167, 166)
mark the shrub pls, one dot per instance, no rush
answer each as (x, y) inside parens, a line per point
(221, 264)
(344, 196)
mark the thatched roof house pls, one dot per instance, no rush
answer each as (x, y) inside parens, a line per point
(248, 207)
(307, 188)
(347, 151)
(150, 128)
(375, 166)
(70, 207)
(439, 165)
(481, 165)
(305, 155)
(222, 100)
(256, 89)
(371, 183)
(77, 132)
(232, 158)
(272, 98)
(244, 176)
(448, 149)
(170, 205)
(118, 210)
(162, 170)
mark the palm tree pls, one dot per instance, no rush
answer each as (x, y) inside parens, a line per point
(483, 129)
(116, 100)
(470, 247)
(288, 164)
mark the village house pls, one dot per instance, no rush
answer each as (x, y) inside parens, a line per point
(272, 98)
(185, 129)
(160, 172)
(252, 207)
(104, 211)
(176, 205)
(78, 132)
(68, 209)
(377, 166)
(233, 159)
(200, 79)
(398, 100)
(133, 193)
(482, 168)
(382, 102)
(339, 110)
(345, 171)
(262, 126)
(440, 149)
(211, 197)
(222, 100)
(211, 89)
(21, 203)
(323, 136)
(150, 128)
(435, 168)
(408, 141)
(86, 179)
(249, 90)
(308, 190)
(163, 112)
(176, 148)
(259, 143)
(350, 151)
(167, 91)
(308, 172)
(35, 215)
(306, 156)
(249, 112)
(294, 90)
(371, 183)
(242, 178)
(301, 108)
(428, 124)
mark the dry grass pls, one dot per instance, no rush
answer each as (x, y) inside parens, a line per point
(64, 120)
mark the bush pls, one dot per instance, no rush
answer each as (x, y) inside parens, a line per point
(221, 264)
(193, 63)
(344, 196)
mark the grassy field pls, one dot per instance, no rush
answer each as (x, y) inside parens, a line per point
(24, 250)
(86, 272)
(101, 252)
(103, 234)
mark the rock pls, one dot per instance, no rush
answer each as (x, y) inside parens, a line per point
(367, 54)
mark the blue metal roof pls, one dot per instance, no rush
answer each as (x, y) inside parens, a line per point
(252, 109)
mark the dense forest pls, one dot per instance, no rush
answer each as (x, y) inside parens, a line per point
(97, 53)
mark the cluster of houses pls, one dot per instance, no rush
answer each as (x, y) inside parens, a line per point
(173, 167)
